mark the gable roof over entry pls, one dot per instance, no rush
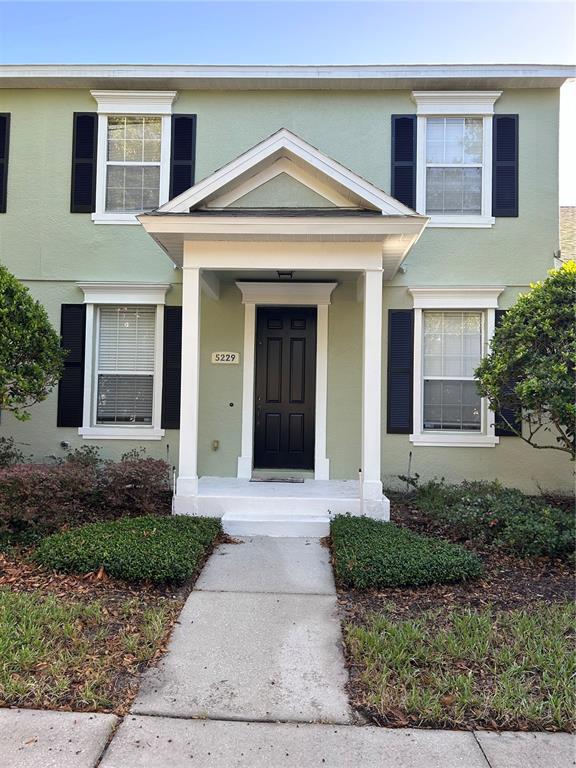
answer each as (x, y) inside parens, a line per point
(284, 152)
(355, 209)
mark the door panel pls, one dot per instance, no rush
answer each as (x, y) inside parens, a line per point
(285, 388)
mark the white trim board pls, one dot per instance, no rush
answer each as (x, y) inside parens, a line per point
(469, 297)
(285, 294)
(455, 102)
(124, 293)
(134, 102)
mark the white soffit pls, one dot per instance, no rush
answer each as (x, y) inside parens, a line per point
(124, 293)
(481, 297)
(455, 102)
(285, 144)
(134, 102)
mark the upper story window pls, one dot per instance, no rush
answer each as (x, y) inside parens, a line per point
(454, 157)
(133, 162)
(454, 165)
(133, 172)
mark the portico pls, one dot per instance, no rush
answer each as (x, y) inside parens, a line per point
(284, 257)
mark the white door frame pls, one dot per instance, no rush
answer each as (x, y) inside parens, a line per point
(285, 294)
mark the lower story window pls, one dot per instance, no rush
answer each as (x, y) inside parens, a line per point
(125, 365)
(452, 348)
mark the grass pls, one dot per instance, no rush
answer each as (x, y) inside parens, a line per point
(468, 668)
(58, 653)
(162, 550)
(370, 554)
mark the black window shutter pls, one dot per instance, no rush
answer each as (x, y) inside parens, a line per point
(84, 143)
(183, 153)
(403, 167)
(400, 370)
(172, 366)
(505, 166)
(71, 386)
(508, 413)
(4, 149)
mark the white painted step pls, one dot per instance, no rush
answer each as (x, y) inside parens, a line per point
(290, 525)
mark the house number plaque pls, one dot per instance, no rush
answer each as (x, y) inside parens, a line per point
(226, 358)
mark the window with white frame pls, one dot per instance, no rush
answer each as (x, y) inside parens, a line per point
(133, 156)
(454, 151)
(452, 348)
(452, 331)
(454, 157)
(125, 365)
(123, 360)
(133, 165)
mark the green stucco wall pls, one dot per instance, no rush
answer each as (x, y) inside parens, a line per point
(51, 250)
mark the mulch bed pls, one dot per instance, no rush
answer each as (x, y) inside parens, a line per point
(508, 582)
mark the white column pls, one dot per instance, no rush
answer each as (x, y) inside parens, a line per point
(321, 463)
(245, 460)
(372, 386)
(187, 485)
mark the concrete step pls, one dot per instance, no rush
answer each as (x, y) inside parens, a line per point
(275, 524)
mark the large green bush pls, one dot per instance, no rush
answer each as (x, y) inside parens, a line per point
(501, 517)
(156, 549)
(372, 554)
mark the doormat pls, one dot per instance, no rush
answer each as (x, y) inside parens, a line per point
(276, 479)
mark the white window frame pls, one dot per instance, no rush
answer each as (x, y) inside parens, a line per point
(456, 104)
(122, 294)
(478, 299)
(122, 103)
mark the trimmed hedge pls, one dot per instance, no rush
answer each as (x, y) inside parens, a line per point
(157, 549)
(500, 517)
(370, 554)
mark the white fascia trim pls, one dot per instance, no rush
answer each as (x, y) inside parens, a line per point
(124, 293)
(476, 297)
(134, 102)
(455, 102)
(284, 143)
(454, 440)
(121, 433)
(296, 294)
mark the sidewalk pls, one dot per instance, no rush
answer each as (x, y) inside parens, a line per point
(254, 677)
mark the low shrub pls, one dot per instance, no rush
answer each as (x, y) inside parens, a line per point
(46, 497)
(370, 554)
(9, 452)
(500, 517)
(157, 549)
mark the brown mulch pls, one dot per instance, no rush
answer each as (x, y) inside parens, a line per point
(508, 582)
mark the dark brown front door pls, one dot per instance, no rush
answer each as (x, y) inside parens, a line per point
(285, 388)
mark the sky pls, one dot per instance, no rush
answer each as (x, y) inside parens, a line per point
(301, 32)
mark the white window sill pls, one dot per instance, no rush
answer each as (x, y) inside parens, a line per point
(454, 440)
(470, 222)
(121, 433)
(115, 218)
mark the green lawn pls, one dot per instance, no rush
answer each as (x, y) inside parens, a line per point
(58, 653)
(464, 668)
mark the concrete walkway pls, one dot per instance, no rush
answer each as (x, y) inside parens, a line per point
(254, 677)
(258, 639)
